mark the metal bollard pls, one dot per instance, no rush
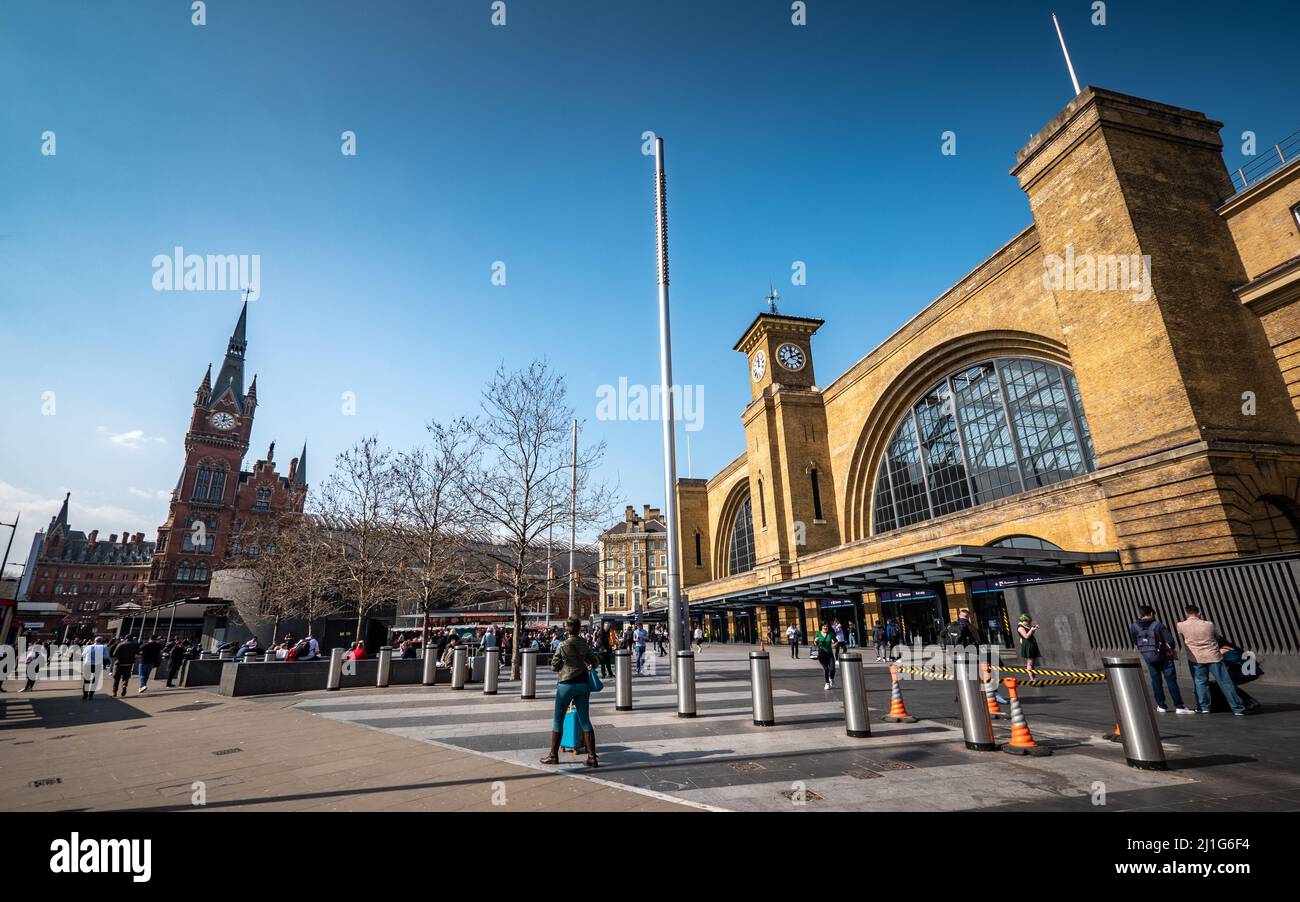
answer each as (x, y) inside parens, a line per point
(335, 678)
(622, 679)
(1134, 712)
(490, 667)
(760, 687)
(976, 725)
(686, 684)
(854, 681)
(459, 667)
(430, 675)
(385, 666)
(528, 684)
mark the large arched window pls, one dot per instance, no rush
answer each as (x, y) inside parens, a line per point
(741, 556)
(988, 431)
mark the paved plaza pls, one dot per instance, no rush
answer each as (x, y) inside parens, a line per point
(415, 748)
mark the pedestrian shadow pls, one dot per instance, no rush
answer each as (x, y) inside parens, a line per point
(63, 711)
(1208, 761)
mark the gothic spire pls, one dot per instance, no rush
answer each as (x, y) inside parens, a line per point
(61, 519)
(232, 368)
(300, 474)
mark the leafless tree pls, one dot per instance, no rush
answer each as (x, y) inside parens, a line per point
(516, 468)
(262, 546)
(435, 519)
(359, 505)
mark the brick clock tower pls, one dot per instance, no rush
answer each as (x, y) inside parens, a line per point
(214, 497)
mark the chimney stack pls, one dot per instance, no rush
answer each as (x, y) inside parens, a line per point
(112, 539)
(630, 514)
(93, 537)
(293, 467)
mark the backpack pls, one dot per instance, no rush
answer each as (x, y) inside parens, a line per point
(955, 632)
(302, 648)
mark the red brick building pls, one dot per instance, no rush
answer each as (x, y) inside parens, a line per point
(214, 497)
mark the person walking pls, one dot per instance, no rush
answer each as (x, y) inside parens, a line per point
(1202, 640)
(639, 636)
(1156, 646)
(697, 638)
(1028, 643)
(150, 658)
(853, 636)
(792, 637)
(825, 641)
(961, 632)
(94, 661)
(880, 635)
(34, 660)
(572, 660)
(124, 663)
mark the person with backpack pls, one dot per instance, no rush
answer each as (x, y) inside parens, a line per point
(175, 660)
(1155, 643)
(150, 658)
(880, 635)
(961, 632)
(892, 635)
(123, 661)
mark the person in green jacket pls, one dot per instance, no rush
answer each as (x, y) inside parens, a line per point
(825, 642)
(572, 659)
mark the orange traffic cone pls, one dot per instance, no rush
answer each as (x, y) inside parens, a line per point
(991, 692)
(897, 712)
(1022, 741)
(1112, 737)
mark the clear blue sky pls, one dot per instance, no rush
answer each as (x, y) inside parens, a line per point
(521, 144)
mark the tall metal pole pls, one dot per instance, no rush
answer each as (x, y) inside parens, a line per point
(1069, 65)
(573, 519)
(550, 566)
(10, 610)
(676, 637)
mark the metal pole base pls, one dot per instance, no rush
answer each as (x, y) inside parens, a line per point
(622, 708)
(528, 696)
(766, 723)
(1147, 765)
(982, 746)
(493, 692)
(1038, 751)
(858, 734)
(680, 714)
(908, 719)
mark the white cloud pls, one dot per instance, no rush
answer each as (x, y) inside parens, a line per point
(133, 440)
(34, 513)
(155, 495)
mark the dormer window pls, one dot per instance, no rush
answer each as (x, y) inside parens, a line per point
(263, 499)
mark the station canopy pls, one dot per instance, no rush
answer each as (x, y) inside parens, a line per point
(912, 573)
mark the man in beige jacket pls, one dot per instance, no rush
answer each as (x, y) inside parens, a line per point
(1202, 640)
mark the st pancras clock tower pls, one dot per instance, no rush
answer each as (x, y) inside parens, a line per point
(213, 494)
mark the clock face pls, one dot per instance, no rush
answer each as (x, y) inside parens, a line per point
(223, 421)
(759, 366)
(791, 357)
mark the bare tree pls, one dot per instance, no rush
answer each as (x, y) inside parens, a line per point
(262, 545)
(435, 520)
(314, 594)
(519, 457)
(359, 506)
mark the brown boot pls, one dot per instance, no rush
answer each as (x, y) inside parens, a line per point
(554, 756)
(589, 740)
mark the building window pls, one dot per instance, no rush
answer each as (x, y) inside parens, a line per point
(1295, 214)
(699, 554)
(636, 578)
(622, 600)
(201, 573)
(201, 484)
(183, 572)
(816, 495)
(762, 505)
(609, 600)
(741, 557)
(263, 499)
(636, 599)
(636, 562)
(992, 430)
(218, 486)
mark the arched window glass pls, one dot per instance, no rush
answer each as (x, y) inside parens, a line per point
(986, 432)
(741, 558)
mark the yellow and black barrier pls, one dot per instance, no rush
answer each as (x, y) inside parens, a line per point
(1060, 677)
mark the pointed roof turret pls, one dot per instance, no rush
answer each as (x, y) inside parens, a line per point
(61, 518)
(231, 376)
(300, 474)
(206, 384)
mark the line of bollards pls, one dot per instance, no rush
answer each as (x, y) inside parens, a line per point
(528, 682)
(491, 666)
(459, 667)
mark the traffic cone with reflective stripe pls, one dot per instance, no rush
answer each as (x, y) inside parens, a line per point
(1022, 741)
(897, 712)
(991, 692)
(1112, 737)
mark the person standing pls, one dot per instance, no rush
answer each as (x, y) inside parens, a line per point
(853, 636)
(1156, 646)
(94, 661)
(123, 663)
(825, 641)
(961, 632)
(572, 660)
(697, 638)
(892, 634)
(175, 660)
(792, 637)
(150, 658)
(1202, 640)
(879, 635)
(1028, 643)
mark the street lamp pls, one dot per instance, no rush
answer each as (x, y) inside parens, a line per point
(4, 561)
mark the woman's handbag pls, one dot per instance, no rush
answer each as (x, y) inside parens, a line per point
(594, 681)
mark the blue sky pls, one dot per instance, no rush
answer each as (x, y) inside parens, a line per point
(519, 144)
